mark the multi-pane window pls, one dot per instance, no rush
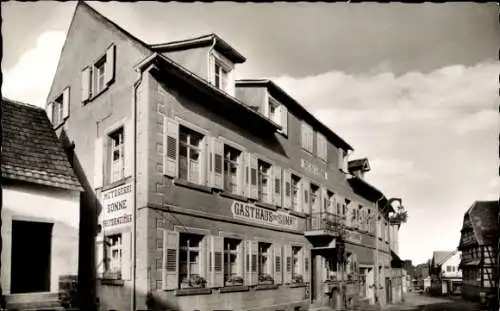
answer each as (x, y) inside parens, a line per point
(117, 151)
(448, 268)
(264, 179)
(189, 256)
(232, 170)
(231, 258)
(99, 75)
(307, 135)
(221, 73)
(315, 198)
(295, 193)
(264, 259)
(190, 154)
(115, 255)
(57, 111)
(329, 204)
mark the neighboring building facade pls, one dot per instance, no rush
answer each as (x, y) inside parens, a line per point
(445, 273)
(246, 212)
(40, 209)
(478, 244)
(422, 276)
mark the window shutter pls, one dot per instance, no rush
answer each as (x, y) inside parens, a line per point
(171, 147)
(66, 103)
(340, 155)
(218, 163)
(253, 191)
(170, 260)
(98, 162)
(303, 135)
(287, 264)
(129, 147)
(307, 264)
(203, 161)
(278, 264)
(85, 84)
(109, 66)
(230, 83)
(204, 257)
(277, 185)
(217, 261)
(126, 255)
(251, 262)
(300, 261)
(306, 200)
(49, 110)
(211, 69)
(284, 119)
(240, 253)
(287, 188)
(100, 252)
(324, 198)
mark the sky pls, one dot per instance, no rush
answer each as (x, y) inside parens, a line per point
(412, 87)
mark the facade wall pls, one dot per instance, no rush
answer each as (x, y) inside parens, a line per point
(453, 263)
(29, 202)
(195, 60)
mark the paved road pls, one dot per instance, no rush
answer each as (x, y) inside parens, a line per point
(425, 303)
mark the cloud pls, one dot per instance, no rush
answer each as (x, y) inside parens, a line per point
(397, 167)
(480, 121)
(30, 79)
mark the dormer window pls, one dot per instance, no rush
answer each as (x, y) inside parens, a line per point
(277, 113)
(222, 73)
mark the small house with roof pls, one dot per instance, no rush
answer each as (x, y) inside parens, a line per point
(478, 244)
(446, 277)
(41, 209)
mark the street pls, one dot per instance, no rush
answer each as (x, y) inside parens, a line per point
(414, 301)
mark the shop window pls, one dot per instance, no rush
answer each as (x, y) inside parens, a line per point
(232, 169)
(295, 193)
(233, 270)
(264, 181)
(190, 155)
(265, 262)
(189, 258)
(117, 155)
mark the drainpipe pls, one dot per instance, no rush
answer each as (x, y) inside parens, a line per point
(134, 210)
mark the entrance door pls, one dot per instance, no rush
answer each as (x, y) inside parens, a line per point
(388, 290)
(30, 265)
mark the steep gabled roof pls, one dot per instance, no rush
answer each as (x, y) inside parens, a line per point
(483, 216)
(278, 93)
(206, 40)
(31, 151)
(440, 257)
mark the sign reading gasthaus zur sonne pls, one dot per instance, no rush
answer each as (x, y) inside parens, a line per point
(255, 214)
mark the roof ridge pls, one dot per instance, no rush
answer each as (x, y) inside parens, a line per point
(208, 35)
(20, 103)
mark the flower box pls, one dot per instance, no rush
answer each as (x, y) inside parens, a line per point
(194, 281)
(266, 279)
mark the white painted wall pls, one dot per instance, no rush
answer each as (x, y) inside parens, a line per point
(453, 261)
(31, 202)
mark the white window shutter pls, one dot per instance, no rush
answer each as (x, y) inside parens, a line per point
(242, 185)
(278, 264)
(170, 260)
(109, 66)
(204, 161)
(129, 147)
(306, 196)
(211, 69)
(284, 119)
(307, 265)
(126, 255)
(171, 147)
(86, 84)
(255, 261)
(218, 163)
(287, 264)
(277, 189)
(66, 103)
(98, 162)
(324, 197)
(230, 83)
(300, 261)
(217, 262)
(100, 255)
(240, 253)
(251, 262)
(49, 110)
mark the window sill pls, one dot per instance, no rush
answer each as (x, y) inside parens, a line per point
(193, 291)
(233, 196)
(266, 205)
(114, 184)
(112, 282)
(93, 97)
(266, 286)
(298, 214)
(187, 184)
(58, 126)
(234, 289)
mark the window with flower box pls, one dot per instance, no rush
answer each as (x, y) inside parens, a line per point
(233, 262)
(190, 260)
(265, 263)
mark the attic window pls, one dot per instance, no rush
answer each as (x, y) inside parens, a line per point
(99, 75)
(57, 112)
(221, 73)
